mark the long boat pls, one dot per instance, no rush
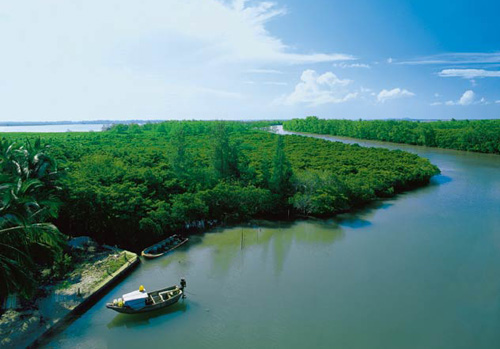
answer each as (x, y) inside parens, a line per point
(141, 301)
(163, 247)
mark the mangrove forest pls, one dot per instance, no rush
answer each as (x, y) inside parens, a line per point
(471, 135)
(133, 185)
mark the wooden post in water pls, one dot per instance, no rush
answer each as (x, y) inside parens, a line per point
(241, 243)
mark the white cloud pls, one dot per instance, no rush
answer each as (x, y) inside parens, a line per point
(234, 31)
(457, 58)
(392, 94)
(264, 71)
(276, 83)
(128, 59)
(468, 98)
(436, 103)
(389, 60)
(498, 101)
(469, 73)
(351, 65)
(314, 90)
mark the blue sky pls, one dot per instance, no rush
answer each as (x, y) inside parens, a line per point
(206, 59)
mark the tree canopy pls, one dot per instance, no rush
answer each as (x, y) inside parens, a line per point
(472, 135)
(134, 185)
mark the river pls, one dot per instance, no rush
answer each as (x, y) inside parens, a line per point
(54, 128)
(421, 270)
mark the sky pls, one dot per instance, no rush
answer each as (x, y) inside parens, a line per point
(215, 59)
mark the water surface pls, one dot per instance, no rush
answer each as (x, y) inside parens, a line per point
(54, 128)
(421, 270)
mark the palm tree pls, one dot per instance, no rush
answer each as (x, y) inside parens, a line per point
(27, 200)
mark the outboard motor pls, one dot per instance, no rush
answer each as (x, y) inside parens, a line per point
(183, 286)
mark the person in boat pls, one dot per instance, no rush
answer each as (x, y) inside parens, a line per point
(141, 301)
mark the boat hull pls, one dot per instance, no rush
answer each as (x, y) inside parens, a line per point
(146, 252)
(147, 308)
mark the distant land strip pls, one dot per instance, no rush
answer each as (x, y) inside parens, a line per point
(110, 122)
(471, 135)
(82, 122)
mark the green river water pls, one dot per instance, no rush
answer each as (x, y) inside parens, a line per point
(421, 270)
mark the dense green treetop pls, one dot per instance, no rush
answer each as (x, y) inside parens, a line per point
(476, 135)
(133, 185)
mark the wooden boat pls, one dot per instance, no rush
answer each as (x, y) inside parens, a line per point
(163, 247)
(141, 301)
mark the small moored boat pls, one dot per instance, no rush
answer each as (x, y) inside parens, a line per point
(141, 301)
(163, 247)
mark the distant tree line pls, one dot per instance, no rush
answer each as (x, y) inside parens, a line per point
(471, 135)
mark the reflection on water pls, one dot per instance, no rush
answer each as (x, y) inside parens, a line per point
(229, 246)
(352, 221)
(440, 179)
(361, 217)
(143, 319)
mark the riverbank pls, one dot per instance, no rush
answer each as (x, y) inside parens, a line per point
(470, 135)
(56, 304)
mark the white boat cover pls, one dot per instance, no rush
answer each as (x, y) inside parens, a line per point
(136, 299)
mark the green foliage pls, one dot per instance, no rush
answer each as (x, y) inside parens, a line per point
(181, 161)
(28, 194)
(320, 193)
(63, 264)
(132, 188)
(478, 135)
(282, 173)
(225, 153)
(233, 202)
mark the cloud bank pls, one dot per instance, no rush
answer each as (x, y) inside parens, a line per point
(456, 58)
(351, 65)
(385, 95)
(314, 90)
(469, 73)
(468, 98)
(128, 59)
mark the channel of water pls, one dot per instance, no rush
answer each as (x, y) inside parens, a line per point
(421, 270)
